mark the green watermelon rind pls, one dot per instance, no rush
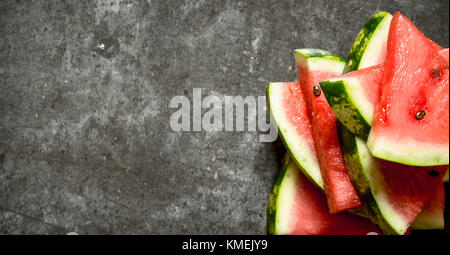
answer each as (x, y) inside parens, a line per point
(274, 210)
(364, 173)
(305, 159)
(349, 104)
(368, 41)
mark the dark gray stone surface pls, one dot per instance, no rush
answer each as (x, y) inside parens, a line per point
(85, 141)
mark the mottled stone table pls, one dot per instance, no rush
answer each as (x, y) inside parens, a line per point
(85, 86)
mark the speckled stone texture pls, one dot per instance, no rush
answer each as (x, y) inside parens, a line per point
(85, 140)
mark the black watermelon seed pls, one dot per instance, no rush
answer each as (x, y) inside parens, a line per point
(436, 73)
(420, 115)
(433, 173)
(317, 91)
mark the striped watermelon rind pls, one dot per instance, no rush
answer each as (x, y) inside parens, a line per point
(349, 103)
(370, 42)
(275, 226)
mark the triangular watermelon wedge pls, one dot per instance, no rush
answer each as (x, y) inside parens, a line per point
(313, 66)
(288, 108)
(411, 121)
(297, 207)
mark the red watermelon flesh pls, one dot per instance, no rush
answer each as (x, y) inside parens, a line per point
(341, 194)
(444, 53)
(436, 46)
(415, 80)
(310, 216)
(410, 193)
(297, 114)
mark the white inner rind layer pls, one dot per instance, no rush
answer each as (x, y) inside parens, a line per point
(376, 183)
(374, 48)
(408, 152)
(285, 201)
(297, 146)
(320, 64)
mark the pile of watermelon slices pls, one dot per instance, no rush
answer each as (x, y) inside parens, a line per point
(367, 136)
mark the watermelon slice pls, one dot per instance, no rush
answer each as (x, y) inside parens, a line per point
(288, 109)
(394, 193)
(411, 121)
(297, 207)
(314, 66)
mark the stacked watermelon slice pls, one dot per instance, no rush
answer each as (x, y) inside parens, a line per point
(367, 135)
